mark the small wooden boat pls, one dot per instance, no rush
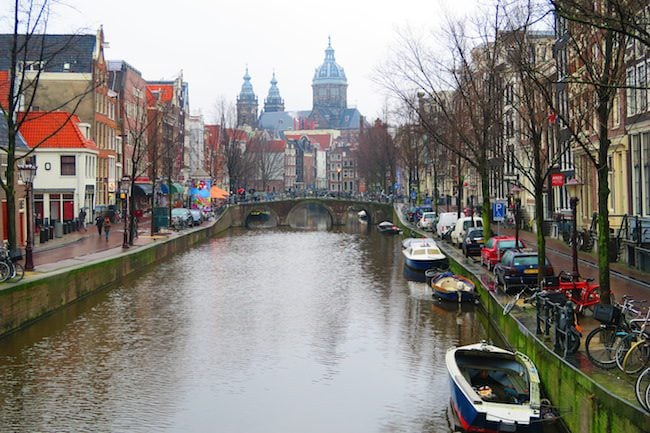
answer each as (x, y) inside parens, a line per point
(388, 228)
(493, 389)
(363, 215)
(451, 287)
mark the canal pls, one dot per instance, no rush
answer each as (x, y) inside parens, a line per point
(274, 330)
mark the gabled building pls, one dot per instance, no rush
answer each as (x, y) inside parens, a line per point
(66, 157)
(73, 77)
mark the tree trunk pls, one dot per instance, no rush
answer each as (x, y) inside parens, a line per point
(603, 205)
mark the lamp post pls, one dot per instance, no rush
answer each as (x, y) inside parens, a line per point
(573, 188)
(124, 195)
(338, 171)
(27, 172)
(516, 192)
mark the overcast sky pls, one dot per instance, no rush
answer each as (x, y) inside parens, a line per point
(212, 41)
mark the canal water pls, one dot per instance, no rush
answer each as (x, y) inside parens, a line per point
(266, 330)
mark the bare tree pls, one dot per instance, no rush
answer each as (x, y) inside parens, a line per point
(267, 161)
(27, 54)
(377, 155)
(460, 86)
(628, 17)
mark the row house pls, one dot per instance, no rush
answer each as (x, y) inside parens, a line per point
(72, 77)
(342, 169)
(66, 157)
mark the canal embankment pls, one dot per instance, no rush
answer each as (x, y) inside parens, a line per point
(586, 405)
(42, 293)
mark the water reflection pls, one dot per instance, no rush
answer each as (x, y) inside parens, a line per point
(256, 331)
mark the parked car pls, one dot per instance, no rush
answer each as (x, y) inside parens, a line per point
(462, 225)
(495, 247)
(519, 269)
(427, 221)
(445, 221)
(472, 242)
(181, 218)
(420, 211)
(197, 217)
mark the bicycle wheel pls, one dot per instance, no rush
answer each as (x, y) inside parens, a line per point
(5, 271)
(510, 305)
(642, 388)
(621, 347)
(19, 273)
(600, 346)
(637, 357)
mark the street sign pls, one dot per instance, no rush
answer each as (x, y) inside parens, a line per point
(413, 195)
(499, 210)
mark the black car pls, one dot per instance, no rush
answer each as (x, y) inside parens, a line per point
(519, 269)
(472, 242)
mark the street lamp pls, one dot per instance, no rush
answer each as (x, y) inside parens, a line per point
(27, 172)
(338, 171)
(125, 186)
(516, 192)
(573, 188)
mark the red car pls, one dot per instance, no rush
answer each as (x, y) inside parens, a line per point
(494, 248)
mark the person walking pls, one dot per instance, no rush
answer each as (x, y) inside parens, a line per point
(107, 226)
(99, 222)
(82, 220)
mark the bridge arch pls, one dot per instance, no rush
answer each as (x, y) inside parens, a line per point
(338, 210)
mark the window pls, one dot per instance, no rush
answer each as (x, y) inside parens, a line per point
(68, 166)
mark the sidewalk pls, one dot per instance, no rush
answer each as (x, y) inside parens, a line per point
(82, 246)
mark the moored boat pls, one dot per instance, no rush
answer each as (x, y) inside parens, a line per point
(451, 287)
(493, 389)
(423, 254)
(388, 228)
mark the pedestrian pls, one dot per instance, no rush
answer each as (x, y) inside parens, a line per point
(99, 222)
(82, 220)
(107, 226)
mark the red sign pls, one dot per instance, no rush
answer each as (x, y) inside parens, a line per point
(557, 179)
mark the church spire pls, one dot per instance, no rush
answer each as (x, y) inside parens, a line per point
(247, 103)
(273, 101)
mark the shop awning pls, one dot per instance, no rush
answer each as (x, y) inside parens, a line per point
(177, 188)
(144, 188)
(216, 192)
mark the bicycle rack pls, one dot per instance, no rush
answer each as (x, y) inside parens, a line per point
(559, 315)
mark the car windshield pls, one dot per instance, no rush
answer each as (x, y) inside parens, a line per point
(509, 244)
(525, 261)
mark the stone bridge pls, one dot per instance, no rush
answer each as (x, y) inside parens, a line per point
(338, 210)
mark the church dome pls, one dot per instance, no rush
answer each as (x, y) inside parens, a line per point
(247, 93)
(329, 72)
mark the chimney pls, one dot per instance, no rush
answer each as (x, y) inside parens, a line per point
(85, 129)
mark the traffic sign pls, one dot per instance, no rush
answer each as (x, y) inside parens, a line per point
(499, 210)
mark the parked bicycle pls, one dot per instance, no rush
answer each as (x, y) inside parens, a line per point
(602, 342)
(633, 351)
(582, 292)
(642, 389)
(10, 269)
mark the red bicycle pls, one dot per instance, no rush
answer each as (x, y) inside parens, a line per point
(582, 292)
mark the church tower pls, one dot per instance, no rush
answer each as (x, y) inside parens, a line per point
(247, 104)
(273, 102)
(330, 92)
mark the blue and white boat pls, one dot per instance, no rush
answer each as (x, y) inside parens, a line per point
(493, 389)
(448, 286)
(423, 254)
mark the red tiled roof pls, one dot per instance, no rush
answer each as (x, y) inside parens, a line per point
(324, 140)
(4, 89)
(39, 125)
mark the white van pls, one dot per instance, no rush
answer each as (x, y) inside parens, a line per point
(445, 221)
(461, 228)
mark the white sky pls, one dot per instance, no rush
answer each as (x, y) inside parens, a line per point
(213, 41)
